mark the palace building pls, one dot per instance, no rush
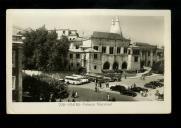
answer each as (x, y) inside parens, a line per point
(112, 51)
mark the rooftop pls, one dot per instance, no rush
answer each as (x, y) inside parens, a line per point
(91, 50)
(108, 35)
(144, 45)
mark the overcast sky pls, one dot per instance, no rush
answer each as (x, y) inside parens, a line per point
(148, 29)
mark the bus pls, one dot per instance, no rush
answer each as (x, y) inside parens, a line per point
(72, 80)
(82, 78)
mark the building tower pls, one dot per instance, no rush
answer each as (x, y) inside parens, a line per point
(115, 27)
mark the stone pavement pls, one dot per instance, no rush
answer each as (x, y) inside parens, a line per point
(128, 82)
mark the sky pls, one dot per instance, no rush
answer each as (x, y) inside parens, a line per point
(148, 29)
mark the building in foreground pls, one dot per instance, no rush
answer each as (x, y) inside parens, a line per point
(17, 45)
(112, 51)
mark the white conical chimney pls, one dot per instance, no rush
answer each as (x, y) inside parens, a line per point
(117, 28)
(112, 26)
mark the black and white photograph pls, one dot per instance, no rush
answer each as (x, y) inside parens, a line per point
(88, 61)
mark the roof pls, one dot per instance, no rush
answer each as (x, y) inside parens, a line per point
(17, 30)
(144, 45)
(76, 50)
(91, 50)
(107, 35)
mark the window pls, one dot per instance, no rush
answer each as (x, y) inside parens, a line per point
(136, 59)
(77, 56)
(95, 66)
(125, 50)
(154, 53)
(13, 60)
(63, 32)
(129, 51)
(95, 56)
(103, 49)
(95, 47)
(78, 64)
(148, 53)
(70, 32)
(118, 50)
(77, 47)
(111, 50)
(71, 56)
(14, 82)
(136, 52)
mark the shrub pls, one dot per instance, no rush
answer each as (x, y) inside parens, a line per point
(42, 86)
(158, 67)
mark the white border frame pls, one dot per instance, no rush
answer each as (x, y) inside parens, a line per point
(138, 107)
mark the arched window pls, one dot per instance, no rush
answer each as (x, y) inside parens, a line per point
(148, 63)
(115, 66)
(124, 65)
(106, 65)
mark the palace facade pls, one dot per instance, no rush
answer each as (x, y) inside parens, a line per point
(111, 51)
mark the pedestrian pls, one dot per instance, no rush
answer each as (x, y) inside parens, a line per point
(108, 97)
(73, 93)
(143, 77)
(100, 84)
(76, 94)
(96, 88)
(134, 85)
(73, 100)
(121, 77)
(107, 84)
(125, 76)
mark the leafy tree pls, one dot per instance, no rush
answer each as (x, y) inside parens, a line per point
(43, 51)
(158, 67)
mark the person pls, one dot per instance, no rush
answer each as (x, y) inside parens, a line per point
(143, 77)
(100, 84)
(108, 97)
(125, 76)
(107, 84)
(73, 100)
(73, 93)
(157, 94)
(134, 85)
(121, 77)
(76, 94)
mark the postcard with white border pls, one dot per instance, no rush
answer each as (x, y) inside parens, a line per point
(88, 61)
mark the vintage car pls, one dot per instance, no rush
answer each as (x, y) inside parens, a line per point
(138, 89)
(118, 88)
(129, 93)
(150, 85)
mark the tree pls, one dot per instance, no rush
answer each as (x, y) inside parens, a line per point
(158, 67)
(43, 51)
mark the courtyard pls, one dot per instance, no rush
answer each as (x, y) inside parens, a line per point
(86, 92)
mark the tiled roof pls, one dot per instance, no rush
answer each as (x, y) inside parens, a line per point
(107, 35)
(91, 50)
(144, 45)
(76, 50)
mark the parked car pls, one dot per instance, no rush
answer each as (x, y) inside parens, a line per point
(129, 93)
(138, 89)
(157, 83)
(118, 88)
(161, 80)
(150, 85)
